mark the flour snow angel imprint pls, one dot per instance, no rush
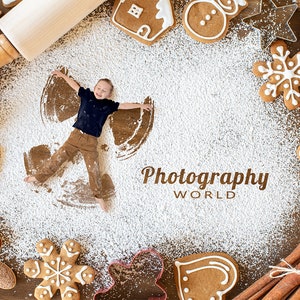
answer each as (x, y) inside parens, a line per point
(58, 271)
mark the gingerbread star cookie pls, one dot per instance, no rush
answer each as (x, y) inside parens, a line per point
(273, 22)
(283, 75)
(7, 276)
(137, 280)
(145, 21)
(58, 271)
(205, 276)
(207, 21)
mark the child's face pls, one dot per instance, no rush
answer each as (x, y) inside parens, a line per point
(102, 90)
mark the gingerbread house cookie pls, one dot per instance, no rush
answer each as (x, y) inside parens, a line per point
(145, 21)
(205, 276)
(207, 21)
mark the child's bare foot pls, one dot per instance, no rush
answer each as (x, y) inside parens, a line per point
(103, 204)
(30, 179)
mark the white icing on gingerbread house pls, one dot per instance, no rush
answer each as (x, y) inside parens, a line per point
(145, 21)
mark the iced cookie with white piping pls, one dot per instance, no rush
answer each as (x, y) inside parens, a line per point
(58, 271)
(145, 21)
(205, 276)
(282, 75)
(207, 21)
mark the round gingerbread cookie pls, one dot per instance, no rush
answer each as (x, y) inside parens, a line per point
(207, 21)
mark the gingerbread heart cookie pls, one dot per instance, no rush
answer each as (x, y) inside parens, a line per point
(283, 75)
(207, 21)
(205, 276)
(145, 21)
(58, 271)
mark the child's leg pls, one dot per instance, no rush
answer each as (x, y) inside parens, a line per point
(64, 153)
(90, 155)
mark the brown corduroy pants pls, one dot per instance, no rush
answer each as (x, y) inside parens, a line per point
(77, 141)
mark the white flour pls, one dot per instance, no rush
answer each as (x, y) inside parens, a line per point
(208, 118)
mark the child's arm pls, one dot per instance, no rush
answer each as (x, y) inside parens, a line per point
(147, 107)
(71, 82)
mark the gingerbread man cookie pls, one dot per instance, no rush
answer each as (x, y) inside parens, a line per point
(58, 271)
(207, 21)
(145, 21)
(7, 276)
(205, 276)
(283, 75)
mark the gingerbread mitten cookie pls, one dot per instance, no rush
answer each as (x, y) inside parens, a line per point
(205, 276)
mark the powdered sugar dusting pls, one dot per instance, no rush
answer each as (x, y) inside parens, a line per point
(208, 118)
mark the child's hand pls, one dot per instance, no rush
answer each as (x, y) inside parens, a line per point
(147, 107)
(58, 73)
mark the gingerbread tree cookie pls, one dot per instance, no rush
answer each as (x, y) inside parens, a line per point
(58, 271)
(283, 75)
(205, 276)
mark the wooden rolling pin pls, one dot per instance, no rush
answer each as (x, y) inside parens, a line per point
(32, 26)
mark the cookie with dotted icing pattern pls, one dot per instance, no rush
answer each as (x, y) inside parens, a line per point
(207, 21)
(283, 75)
(205, 276)
(58, 271)
(145, 21)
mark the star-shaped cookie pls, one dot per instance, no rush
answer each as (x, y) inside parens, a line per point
(273, 22)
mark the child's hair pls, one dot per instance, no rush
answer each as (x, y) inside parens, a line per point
(107, 81)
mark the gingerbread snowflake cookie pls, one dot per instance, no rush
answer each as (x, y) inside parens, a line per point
(145, 21)
(205, 276)
(208, 21)
(7, 276)
(58, 271)
(283, 75)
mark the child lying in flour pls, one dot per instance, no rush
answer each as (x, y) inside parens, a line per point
(94, 109)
